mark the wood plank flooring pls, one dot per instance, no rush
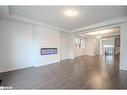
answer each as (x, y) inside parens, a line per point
(84, 72)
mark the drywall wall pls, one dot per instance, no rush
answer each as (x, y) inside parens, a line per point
(15, 45)
(71, 48)
(97, 46)
(108, 41)
(20, 45)
(64, 45)
(123, 47)
(79, 52)
(46, 38)
(91, 48)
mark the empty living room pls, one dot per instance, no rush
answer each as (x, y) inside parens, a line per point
(63, 47)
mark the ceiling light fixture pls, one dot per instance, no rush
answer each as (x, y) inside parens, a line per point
(70, 13)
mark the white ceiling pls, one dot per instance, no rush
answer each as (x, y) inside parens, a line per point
(54, 15)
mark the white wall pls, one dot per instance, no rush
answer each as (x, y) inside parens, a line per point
(46, 38)
(91, 48)
(71, 48)
(20, 45)
(123, 47)
(15, 45)
(97, 46)
(79, 52)
(64, 45)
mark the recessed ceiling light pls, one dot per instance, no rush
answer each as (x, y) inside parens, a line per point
(70, 13)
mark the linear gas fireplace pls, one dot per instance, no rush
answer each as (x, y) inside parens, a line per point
(48, 51)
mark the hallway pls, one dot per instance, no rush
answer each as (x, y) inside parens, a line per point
(84, 72)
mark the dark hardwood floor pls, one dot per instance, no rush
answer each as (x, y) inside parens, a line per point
(81, 73)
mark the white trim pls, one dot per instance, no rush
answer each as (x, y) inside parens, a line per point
(97, 29)
(103, 35)
(113, 22)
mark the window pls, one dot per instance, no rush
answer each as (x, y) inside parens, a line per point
(80, 42)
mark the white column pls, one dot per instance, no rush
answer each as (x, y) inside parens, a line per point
(71, 46)
(123, 47)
